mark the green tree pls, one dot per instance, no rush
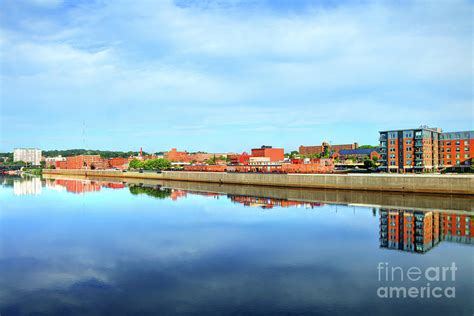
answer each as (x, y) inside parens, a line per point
(156, 164)
(135, 164)
(369, 163)
(211, 161)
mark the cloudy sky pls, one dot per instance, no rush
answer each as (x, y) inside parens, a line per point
(230, 75)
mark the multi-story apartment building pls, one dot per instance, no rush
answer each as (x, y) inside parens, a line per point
(425, 149)
(410, 150)
(456, 149)
(28, 155)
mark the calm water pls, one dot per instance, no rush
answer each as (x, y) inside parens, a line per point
(81, 247)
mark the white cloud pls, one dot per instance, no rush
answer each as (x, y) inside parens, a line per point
(233, 65)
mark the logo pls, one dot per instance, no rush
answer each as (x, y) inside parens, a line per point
(399, 282)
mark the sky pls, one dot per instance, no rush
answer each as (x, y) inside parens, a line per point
(231, 75)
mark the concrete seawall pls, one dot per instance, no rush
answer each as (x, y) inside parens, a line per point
(435, 184)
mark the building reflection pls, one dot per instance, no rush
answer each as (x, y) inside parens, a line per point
(268, 203)
(82, 186)
(31, 186)
(419, 231)
(249, 201)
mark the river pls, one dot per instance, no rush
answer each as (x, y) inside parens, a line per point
(71, 246)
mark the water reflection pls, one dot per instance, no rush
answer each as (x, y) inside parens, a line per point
(420, 231)
(100, 247)
(32, 186)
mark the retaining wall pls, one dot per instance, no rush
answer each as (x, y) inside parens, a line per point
(442, 184)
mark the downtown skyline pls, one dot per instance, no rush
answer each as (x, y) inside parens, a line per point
(227, 76)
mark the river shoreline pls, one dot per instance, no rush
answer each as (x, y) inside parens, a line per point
(433, 184)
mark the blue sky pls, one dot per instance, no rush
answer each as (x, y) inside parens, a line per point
(230, 75)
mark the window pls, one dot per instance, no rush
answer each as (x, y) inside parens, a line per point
(408, 155)
(448, 150)
(466, 143)
(466, 148)
(466, 155)
(408, 141)
(458, 149)
(458, 156)
(458, 143)
(448, 143)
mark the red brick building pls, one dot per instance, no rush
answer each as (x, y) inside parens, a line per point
(275, 154)
(456, 149)
(119, 163)
(86, 162)
(177, 156)
(242, 159)
(425, 149)
(325, 147)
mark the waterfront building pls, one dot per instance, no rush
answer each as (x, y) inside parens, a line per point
(199, 157)
(89, 162)
(325, 147)
(409, 150)
(456, 149)
(28, 155)
(275, 154)
(119, 163)
(53, 161)
(239, 159)
(425, 149)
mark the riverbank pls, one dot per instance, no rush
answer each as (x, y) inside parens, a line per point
(390, 200)
(433, 184)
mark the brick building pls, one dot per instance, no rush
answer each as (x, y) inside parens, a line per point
(53, 161)
(359, 155)
(86, 162)
(456, 149)
(119, 163)
(325, 147)
(425, 149)
(410, 149)
(275, 154)
(242, 159)
(177, 156)
(183, 156)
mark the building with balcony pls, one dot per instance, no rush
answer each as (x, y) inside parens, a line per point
(456, 149)
(410, 150)
(425, 149)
